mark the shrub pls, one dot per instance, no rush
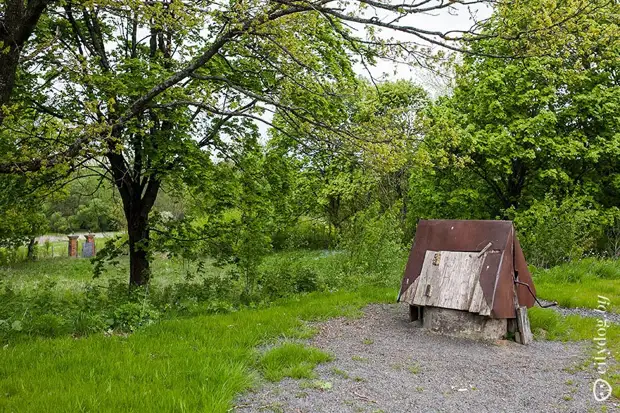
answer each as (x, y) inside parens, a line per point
(49, 325)
(553, 232)
(86, 322)
(373, 245)
(305, 234)
(288, 276)
(130, 316)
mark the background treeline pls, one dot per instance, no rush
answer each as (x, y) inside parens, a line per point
(533, 138)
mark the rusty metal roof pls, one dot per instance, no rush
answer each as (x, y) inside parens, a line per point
(498, 270)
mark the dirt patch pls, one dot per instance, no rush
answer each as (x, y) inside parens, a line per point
(385, 364)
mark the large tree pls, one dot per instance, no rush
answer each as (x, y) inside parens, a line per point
(147, 91)
(341, 171)
(517, 130)
(18, 20)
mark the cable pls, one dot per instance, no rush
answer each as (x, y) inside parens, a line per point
(553, 304)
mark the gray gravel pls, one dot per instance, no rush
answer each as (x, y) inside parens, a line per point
(584, 312)
(385, 364)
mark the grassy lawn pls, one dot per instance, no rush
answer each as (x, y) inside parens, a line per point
(579, 283)
(50, 249)
(193, 364)
(74, 273)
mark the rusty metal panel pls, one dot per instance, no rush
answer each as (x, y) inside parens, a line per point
(488, 275)
(503, 296)
(524, 296)
(496, 276)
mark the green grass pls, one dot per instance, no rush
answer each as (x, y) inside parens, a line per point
(293, 360)
(75, 273)
(339, 372)
(52, 249)
(414, 369)
(579, 283)
(185, 365)
(202, 363)
(315, 385)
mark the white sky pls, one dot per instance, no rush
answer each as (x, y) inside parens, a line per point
(443, 20)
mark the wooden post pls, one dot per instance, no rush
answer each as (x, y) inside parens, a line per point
(73, 245)
(524, 335)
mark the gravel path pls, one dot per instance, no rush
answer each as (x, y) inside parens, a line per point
(385, 364)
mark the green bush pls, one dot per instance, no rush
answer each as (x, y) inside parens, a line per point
(374, 249)
(305, 234)
(288, 277)
(49, 311)
(84, 323)
(49, 325)
(553, 232)
(130, 316)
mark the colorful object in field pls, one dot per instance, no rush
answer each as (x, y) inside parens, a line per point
(88, 249)
(73, 245)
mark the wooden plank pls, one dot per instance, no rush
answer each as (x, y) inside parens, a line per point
(485, 309)
(423, 280)
(449, 279)
(475, 302)
(524, 335)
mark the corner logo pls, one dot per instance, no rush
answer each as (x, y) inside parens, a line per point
(601, 390)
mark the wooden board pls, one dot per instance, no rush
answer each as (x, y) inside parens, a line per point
(449, 279)
(524, 335)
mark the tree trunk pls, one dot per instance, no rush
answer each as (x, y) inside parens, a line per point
(139, 235)
(16, 25)
(8, 67)
(31, 245)
(138, 198)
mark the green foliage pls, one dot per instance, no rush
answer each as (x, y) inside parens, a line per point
(129, 316)
(22, 218)
(535, 138)
(241, 235)
(548, 324)
(304, 234)
(286, 277)
(56, 297)
(554, 232)
(373, 247)
(291, 360)
(87, 203)
(342, 171)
